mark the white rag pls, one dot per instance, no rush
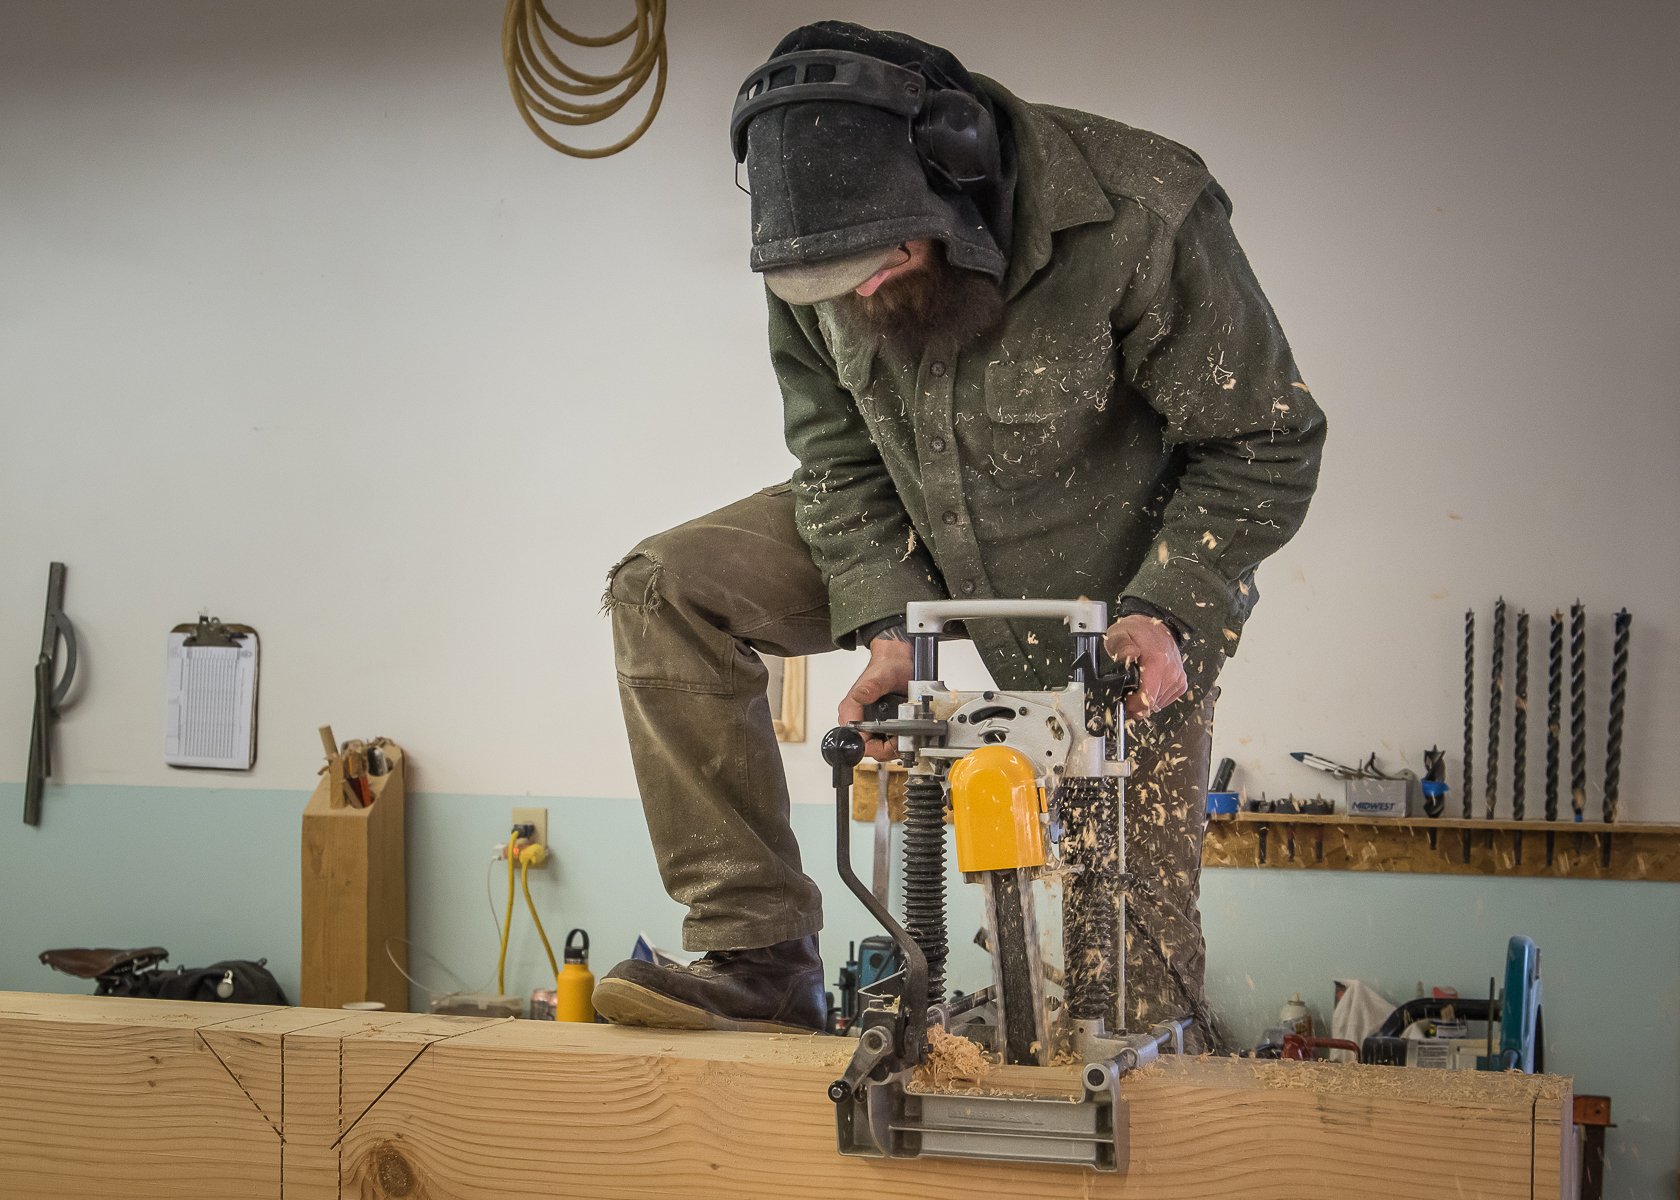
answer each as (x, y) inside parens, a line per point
(1359, 1013)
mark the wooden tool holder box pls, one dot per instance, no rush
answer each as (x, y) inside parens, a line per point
(355, 894)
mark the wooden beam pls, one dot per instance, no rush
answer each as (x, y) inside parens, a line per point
(102, 1098)
(126, 1097)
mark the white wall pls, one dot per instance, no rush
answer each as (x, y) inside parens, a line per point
(299, 325)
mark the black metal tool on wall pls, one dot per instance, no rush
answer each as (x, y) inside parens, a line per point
(49, 695)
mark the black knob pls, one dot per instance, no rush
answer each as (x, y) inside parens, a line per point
(842, 747)
(839, 1091)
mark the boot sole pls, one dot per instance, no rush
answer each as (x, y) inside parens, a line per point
(626, 1003)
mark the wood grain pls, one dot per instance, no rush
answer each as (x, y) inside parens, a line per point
(124, 1097)
(1339, 843)
(116, 1100)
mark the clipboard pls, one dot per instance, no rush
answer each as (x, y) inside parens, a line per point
(210, 696)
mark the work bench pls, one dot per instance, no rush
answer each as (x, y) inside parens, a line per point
(141, 1098)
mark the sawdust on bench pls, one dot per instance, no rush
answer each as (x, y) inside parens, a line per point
(1408, 1083)
(951, 1062)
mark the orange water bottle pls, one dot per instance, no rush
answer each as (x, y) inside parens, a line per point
(574, 989)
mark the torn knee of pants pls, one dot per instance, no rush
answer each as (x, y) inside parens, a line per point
(633, 584)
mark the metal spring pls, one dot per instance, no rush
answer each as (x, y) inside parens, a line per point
(1090, 918)
(924, 876)
(1578, 708)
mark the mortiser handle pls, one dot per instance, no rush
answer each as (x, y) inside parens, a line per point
(931, 616)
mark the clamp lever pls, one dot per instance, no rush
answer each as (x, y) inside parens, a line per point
(873, 1048)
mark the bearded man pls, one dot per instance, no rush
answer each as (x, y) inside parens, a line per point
(1021, 355)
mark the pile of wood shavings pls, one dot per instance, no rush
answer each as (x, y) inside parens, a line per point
(951, 1061)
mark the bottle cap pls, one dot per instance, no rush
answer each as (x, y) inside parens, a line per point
(579, 953)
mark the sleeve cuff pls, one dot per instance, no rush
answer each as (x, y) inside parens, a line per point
(1209, 607)
(869, 595)
(1137, 606)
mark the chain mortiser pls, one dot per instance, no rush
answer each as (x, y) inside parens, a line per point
(1034, 781)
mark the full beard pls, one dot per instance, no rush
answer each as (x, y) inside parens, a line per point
(938, 302)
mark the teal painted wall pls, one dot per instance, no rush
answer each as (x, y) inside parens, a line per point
(214, 874)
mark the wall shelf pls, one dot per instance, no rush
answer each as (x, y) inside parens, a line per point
(1411, 846)
(1445, 846)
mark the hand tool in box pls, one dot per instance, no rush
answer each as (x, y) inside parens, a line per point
(1515, 1032)
(1034, 781)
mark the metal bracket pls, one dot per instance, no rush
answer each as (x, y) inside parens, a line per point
(211, 632)
(885, 1119)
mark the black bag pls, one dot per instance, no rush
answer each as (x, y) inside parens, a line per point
(237, 981)
(136, 973)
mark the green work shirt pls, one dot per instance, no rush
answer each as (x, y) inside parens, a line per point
(1136, 426)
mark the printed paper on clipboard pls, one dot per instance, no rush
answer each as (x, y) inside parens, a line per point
(211, 696)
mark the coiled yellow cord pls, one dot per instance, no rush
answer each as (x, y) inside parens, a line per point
(541, 82)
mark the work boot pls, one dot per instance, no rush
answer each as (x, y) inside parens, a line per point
(776, 989)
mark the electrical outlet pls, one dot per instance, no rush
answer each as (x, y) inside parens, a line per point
(533, 816)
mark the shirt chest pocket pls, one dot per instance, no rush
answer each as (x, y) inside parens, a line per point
(1041, 412)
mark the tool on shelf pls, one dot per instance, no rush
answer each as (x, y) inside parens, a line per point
(1433, 785)
(1365, 770)
(1578, 709)
(49, 695)
(1519, 727)
(1554, 724)
(1469, 719)
(1034, 780)
(1496, 698)
(1559, 660)
(1618, 716)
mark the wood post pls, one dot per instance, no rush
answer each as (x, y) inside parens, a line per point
(103, 1097)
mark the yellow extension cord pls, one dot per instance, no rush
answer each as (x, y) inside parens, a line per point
(541, 82)
(527, 857)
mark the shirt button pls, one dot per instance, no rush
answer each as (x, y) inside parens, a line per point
(937, 445)
(968, 587)
(950, 518)
(938, 369)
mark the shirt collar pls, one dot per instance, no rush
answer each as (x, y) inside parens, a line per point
(1054, 188)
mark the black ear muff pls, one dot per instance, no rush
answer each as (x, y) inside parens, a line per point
(953, 133)
(957, 139)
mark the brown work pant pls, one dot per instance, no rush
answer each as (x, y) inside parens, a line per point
(692, 608)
